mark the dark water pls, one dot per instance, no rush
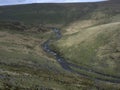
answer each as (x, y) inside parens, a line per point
(65, 65)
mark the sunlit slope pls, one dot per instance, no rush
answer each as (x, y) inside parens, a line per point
(91, 38)
(93, 41)
(97, 47)
(24, 65)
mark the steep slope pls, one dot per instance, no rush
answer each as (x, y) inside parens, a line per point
(25, 66)
(96, 47)
(94, 42)
(91, 34)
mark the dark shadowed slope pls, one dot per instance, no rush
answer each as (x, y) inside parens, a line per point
(57, 14)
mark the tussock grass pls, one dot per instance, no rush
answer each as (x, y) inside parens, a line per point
(93, 47)
(24, 65)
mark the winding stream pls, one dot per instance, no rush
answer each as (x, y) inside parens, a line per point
(67, 66)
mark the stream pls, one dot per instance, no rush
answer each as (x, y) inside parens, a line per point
(67, 66)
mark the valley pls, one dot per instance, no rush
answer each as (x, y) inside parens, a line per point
(71, 46)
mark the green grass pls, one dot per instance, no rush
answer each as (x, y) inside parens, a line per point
(58, 14)
(87, 29)
(33, 70)
(24, 65)
(87, 52)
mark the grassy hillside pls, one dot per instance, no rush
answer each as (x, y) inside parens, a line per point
(96, 47)
(94, 42)
(91, 34)
(58, 14)
(25, 66)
